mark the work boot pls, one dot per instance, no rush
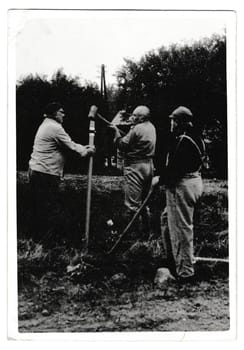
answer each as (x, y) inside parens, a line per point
(163, 278)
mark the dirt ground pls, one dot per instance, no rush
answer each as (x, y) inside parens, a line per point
(113, 296)
(202, 307)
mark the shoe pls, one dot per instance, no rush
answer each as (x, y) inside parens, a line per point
(163, 278)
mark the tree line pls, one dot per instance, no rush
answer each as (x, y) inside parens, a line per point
(193, 75)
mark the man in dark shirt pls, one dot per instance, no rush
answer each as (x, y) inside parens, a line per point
(183, 182)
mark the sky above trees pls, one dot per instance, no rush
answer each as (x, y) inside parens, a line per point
(80, 41)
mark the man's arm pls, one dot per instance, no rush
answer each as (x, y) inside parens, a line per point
(64, 139)
(123, 143)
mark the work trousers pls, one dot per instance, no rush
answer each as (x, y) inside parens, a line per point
(137, 182)
(45, 209)
(181, 201)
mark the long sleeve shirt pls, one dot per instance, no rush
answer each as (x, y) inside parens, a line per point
(139, 143)
(50, 141)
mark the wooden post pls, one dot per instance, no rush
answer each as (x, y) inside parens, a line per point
(108, 145)
(91, 116)
(103, 83)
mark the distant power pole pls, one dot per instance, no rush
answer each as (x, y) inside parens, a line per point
(104, 97)
(103, 84)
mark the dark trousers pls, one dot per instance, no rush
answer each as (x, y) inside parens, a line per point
(45, 208)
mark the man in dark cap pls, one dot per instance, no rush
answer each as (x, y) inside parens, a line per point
(46, 167)
(183, 182)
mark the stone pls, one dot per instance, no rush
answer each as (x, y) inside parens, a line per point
(45, 312)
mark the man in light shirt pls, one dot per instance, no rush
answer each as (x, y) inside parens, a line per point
(138, 147)
(46, 167)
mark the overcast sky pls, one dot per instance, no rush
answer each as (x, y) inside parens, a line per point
(80, 41)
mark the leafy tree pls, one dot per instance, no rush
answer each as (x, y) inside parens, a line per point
(33, 93)
(191, 75)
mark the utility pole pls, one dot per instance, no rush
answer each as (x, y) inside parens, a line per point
(103, 83)
(104, 97)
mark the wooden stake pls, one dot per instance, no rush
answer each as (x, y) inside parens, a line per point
(91, 116)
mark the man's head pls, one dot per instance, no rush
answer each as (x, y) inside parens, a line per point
(181, 119)
(55, 111)
(140, 114)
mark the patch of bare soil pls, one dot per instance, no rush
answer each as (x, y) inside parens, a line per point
(61, 306)
(116, 293)
(119, 294)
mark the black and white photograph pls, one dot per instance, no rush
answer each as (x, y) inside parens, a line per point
(123, 176)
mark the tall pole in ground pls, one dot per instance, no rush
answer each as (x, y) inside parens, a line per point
(91, 116)
(103, 84)
(108, 147)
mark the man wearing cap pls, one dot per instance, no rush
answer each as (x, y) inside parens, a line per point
(46, 167)
(183, 189)
(138, 147)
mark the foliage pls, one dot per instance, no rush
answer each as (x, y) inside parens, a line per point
(211, 220)
(56, 280)
(193, 75)
(33, 93)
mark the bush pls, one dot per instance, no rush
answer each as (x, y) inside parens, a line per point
(211, 216)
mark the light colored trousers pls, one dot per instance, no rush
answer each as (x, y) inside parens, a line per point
(137, 182)
(181, 201)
